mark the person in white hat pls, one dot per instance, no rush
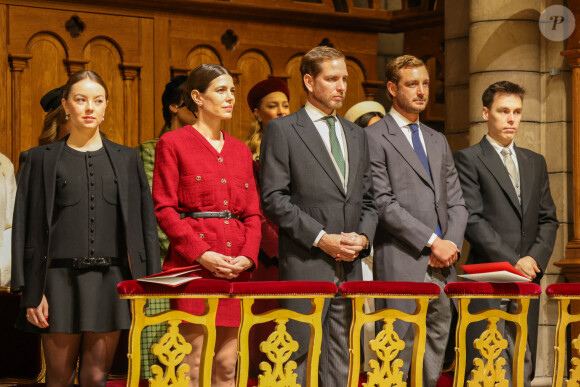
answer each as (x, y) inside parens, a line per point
(365, 113)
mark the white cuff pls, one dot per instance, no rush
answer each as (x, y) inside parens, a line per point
(320, 234)
(431, 240)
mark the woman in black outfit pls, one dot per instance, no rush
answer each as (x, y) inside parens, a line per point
(83, 222)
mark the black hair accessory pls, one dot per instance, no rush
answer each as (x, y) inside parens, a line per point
(52, 99)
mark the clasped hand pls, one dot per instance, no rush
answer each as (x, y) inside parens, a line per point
(222, 266)
(444, 253)
(343, 246)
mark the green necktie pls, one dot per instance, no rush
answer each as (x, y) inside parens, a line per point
(335, 145)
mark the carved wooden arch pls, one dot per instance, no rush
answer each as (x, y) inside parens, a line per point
(202, 54)
(104, 58)
(295, 84)
(40, 72)
(355, 92)
(252, 66)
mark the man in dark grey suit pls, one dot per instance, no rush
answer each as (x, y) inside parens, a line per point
(315, 183)
(511, 213)
(422, 215)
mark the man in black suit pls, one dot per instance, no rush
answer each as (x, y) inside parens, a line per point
(315, 183)
(512, 216)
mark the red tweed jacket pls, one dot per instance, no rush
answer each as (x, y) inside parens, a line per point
(191, 176)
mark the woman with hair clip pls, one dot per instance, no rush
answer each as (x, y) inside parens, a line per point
(206, 202)
(83, 222)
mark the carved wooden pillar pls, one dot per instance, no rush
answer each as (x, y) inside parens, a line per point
(17, 64)
(130, 72)
(371, 89)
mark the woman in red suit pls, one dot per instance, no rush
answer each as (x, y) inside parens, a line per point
(206, 202)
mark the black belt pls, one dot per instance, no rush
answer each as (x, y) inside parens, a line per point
(208, 214)
(85, 262)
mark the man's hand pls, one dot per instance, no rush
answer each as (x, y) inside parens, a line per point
(443, 253)
(340, 247)
(528, 267)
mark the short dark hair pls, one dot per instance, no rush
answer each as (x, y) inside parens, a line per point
(82, 75)
(501, 87)
(172, 95)
(199, 79)
(311, 61)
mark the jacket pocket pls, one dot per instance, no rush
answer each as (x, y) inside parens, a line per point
(29, 253)
(239, 195)
(143, 255)
(68, 191)
(198, 190)
(110, 191)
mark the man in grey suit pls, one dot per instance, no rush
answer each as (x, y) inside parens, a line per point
(315, 183)
(512, 216)
(422, 215)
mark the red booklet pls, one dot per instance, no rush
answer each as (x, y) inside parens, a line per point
(493, 272)
(175, 277)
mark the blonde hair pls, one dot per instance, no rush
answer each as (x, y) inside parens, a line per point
(52, 122)
(255, 138)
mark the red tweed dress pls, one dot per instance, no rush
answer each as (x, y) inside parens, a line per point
(191, 176)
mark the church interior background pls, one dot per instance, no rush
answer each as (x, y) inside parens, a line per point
(137, 46)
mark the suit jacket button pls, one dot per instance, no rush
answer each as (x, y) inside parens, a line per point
(198, 178)
(523, 235)
(229, 244)
(201, 236)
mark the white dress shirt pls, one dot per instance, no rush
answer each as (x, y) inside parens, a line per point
(498, 147)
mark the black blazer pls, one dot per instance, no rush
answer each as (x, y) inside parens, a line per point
(498, 227)
(31, 232)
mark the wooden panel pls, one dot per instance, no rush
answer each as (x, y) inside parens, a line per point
(104, 59)
(6, 133)
(254, 67)
(45, 72)
(202, 55)
(146, 85)
(298, 96)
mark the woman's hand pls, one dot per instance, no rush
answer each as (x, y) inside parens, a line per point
(38, 316)
(241, 264)
(218, 264)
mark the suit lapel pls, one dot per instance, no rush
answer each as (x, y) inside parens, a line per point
(49, 163)
(493, 163)
(396, 137)
(526, 178)
(434, 153)
(352, 145)
(307, 131)
(120, 170)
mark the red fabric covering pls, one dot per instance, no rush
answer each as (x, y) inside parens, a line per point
(446, 380)
(388, 288)
(198, 286)
(282, 287)
(554, 290)
(492, 288)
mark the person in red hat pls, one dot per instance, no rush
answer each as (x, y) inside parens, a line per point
(268, 99)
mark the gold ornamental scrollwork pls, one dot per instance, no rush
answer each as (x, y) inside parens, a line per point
(574, 380)
(278, 348)
(489, 371)
(387, 345)
(170, 350)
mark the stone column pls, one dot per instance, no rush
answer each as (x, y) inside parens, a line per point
(457, 73)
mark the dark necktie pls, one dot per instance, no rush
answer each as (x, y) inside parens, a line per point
(335, 145)
(420, 151)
